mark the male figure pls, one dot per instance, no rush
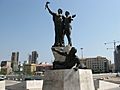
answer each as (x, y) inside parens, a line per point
(67, 27)
(57, 19)
(70, 60)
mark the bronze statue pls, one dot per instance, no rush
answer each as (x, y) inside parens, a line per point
(67, 27)
(70, 60)
(57, 19)
(63, 27)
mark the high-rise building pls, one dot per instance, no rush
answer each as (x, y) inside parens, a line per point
(14, 61)
(30, 59)
(34, 57)
(117, 59)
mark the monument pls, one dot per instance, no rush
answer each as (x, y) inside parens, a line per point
(67, 73)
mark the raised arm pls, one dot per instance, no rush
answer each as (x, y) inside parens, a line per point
(71, 18)
(46, 6)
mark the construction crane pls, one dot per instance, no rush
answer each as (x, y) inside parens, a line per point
(114, 44)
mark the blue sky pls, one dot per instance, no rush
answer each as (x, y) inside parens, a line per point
(26, 26)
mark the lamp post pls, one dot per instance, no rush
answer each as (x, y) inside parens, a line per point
(81, 53)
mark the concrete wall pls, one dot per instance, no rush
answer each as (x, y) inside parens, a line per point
(25, 85)
(34, 84)
(2, 85)
(103, 85)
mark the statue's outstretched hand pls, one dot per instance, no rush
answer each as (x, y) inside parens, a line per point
(46, 5)
(73, 16)
(47, 2)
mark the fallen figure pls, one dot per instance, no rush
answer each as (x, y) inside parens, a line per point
(71, 60)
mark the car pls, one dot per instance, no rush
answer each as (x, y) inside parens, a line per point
(1, 79)
(28, 79)
(101, 78)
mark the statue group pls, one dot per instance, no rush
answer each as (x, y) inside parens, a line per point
(61, 25)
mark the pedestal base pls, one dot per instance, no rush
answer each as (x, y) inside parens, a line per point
(2, 85)
(68, 79)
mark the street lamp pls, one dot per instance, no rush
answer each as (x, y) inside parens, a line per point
(81, 53)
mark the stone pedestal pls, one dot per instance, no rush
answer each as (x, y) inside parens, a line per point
(68, 79)
(2, 85)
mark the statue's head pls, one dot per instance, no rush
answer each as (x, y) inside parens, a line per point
(73, 50)
(59, 11)
(67, 13)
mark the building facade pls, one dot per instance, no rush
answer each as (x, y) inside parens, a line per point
(98, 64)
(43, 67)
(14, 61)
(36, 69)
(6, 67)
(117, 59)
(29, 69)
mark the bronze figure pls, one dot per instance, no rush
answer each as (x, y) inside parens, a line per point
(70, 60)
(57, 19)
(67, 27)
